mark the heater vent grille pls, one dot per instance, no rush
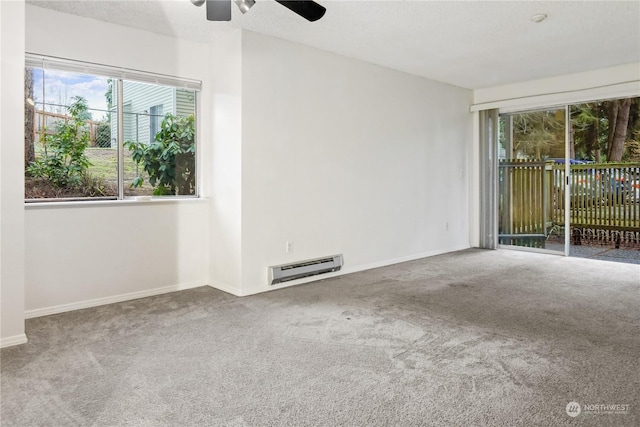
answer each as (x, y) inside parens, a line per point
(298, 270)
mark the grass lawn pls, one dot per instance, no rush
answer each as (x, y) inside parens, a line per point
(104, 165)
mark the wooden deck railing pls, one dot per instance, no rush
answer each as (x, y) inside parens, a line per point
(602, 196)
(523, 198)
(532, 198)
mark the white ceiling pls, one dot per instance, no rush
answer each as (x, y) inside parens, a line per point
(472, 44)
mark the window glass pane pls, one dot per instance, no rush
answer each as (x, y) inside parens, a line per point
(159, 140)
(530, 179)
(70, 150)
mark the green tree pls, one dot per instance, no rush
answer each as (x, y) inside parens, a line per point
(603, 130)
(29, 110)
(108, 95)
(64, 162)
(538, 134)
(588, 123)
(618, 122)
(170, 160)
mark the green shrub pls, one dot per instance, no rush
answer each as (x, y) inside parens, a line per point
(63, 161)
(92, 186)
(170, 160)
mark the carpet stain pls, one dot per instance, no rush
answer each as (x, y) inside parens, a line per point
(459, 285)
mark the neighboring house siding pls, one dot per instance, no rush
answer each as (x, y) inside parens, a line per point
(139, 98)
(114, 122)
(143, 96)
(185, 102)
(129, 123)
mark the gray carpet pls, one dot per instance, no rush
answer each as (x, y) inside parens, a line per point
(469, 338)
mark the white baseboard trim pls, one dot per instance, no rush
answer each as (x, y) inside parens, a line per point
(403, 259)
(56, 309)
(224, 288)
(357, 268)
(14, 340)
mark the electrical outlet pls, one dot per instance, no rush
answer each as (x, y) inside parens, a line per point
(288, 247)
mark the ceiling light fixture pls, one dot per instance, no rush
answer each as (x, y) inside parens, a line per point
(244, 5)
(197, 2)
(539, 17)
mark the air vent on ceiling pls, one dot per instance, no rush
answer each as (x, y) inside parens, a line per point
(298, 270)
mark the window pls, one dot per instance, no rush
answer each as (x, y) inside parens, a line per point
(98, 132)
(155, 116)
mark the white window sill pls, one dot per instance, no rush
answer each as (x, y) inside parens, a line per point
(130, 201)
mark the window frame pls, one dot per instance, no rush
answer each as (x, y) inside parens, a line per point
(119, 75)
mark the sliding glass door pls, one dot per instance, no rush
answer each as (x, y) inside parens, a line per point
(532, 166)
(604, 201)
(563, 183)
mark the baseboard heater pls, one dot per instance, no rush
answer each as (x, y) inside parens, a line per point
(298, 270)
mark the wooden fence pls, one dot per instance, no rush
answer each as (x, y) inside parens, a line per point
(603, 197)
(44, 123)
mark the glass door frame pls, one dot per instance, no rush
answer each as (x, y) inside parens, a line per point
(566, 108)
(567, 179)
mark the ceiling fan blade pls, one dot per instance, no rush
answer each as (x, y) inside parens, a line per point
(219, 10)
(309, 10)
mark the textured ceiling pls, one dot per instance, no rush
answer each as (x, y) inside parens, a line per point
(472, 44)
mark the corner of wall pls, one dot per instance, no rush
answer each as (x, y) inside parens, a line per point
(13, 341)
(12, 43)
(226, 163)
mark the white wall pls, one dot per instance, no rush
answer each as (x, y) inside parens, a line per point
(80, 255)
(226, 162)
(342, 156)
(85, 253)
(11, 173)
